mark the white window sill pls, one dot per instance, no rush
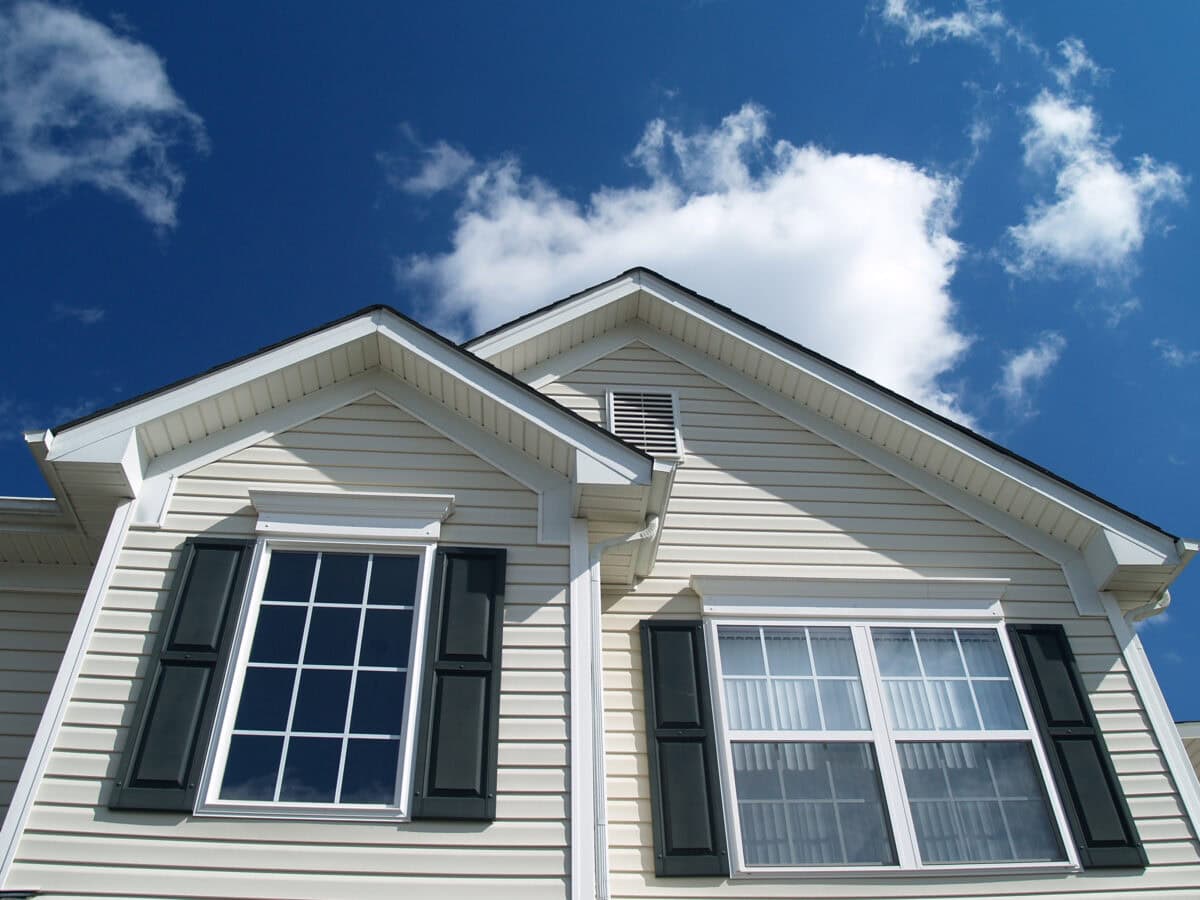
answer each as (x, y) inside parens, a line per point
(302, 813)
(968, 870)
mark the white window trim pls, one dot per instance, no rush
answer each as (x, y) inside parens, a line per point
(894, 795)
(314, 521)
(609, 414)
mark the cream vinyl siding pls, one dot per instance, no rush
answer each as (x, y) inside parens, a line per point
(74, 846)
(34, 630)
(758, 495)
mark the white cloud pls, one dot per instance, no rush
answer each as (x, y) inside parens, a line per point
(848, 254)
(1101, 211)
(1173, 355)
(1116, 311)
(1025, 370)
(978, 20)
(84, 315)
(1076, 62)
(80, 104)
(443, 166)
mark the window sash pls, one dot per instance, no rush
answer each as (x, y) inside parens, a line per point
(209, 800)
(886, 740)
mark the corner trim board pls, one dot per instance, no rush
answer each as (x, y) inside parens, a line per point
(64, 685)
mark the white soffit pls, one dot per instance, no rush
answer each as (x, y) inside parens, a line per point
(531, 349)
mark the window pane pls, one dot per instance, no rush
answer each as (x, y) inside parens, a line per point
(277, 634)
(983, 652)
(266, 697)
(796, 703)
(290, 577)
(978, 802)
(895, 651)
(748, 704)
(310, 772)
(810, 804)
(393, 580)
(843, 704)
(251, 767)
(998, 705)
(833, 651)
(387, 635)
(787, 651)
(342, 578)
(321, 701)
(378, 703)
(953, 709)
(908, 705)
(370, 772)
(741, 651)
(332, 636)
(939, 652)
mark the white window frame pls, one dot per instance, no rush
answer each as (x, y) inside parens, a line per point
(610, 413)
(884, 741)
(335, 522)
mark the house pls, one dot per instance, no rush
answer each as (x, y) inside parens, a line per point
(1190, 733)
(630, 597)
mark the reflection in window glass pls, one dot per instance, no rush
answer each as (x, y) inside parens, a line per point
(978, 802)
(809, 804)
(320, 714)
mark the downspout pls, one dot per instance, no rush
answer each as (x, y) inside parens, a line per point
(600, 786)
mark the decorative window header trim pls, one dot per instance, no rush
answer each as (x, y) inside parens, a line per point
(361, 515)
(894, 598)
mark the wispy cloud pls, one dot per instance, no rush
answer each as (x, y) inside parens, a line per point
(1075, 62)
(850, 254)
(1024, 371)
(977, 21)
(425, 171)
(1173, 355)
(82, 105)
(1101, 211)
(84, 315)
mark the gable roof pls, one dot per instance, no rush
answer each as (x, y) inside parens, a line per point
(108, 454)
(481, 341)
(538, 345)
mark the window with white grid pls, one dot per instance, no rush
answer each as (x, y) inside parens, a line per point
(880, 746)
(320, 707)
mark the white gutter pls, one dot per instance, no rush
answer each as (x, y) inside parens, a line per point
(596, 672)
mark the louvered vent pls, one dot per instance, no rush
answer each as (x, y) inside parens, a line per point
(646, 420)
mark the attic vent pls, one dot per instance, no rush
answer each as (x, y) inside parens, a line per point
(645, 419)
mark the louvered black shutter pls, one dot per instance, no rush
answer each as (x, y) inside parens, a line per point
(460, 699)
(1100, 820)
(174, 718)
(685, 789)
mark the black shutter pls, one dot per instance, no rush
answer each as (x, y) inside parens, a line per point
(174, 718)
(685, 789)
(460, 699)
(1100, 820)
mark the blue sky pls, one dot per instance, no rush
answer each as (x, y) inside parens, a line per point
(988, 207)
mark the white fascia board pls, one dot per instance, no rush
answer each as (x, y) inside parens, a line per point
(490, 347)
(122, 450)
(1052, 490)
(629, 464)
(208, 386)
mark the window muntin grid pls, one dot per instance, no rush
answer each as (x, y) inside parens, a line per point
(1000, 735)
(319, 717)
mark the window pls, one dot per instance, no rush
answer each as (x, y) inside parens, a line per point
(879, 746)
(319, 713)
